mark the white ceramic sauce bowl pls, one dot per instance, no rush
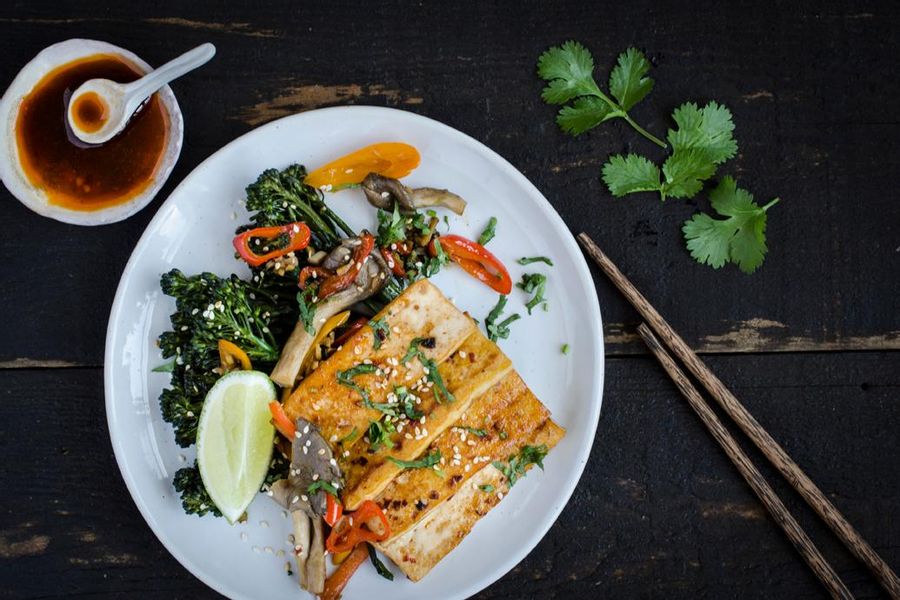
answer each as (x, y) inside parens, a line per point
(11, 171)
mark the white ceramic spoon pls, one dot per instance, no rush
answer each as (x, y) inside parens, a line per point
(122, 100)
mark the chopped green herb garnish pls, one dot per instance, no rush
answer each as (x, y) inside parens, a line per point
(408, 402)
(423, 463)
(379, 566)
(380, 434)
(516, 464)
(499, 330)
(488, 489)
(525, 260)
(380, 331)
(503, 435)
(346, 378)
(441, 393)
(476, 432)
(315, 486)
(489, 232)
(565, 349)
(307, 307)
(390, 227)
(350, 437)
(533, 283)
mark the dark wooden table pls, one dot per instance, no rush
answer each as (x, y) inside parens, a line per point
(809, 342)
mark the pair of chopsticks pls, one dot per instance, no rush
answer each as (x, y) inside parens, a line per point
(760, 437)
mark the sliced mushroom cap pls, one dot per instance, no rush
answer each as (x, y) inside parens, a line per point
(368, 281)
(312, 461)
(383, 192)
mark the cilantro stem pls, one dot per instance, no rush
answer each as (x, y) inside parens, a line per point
(771, 204)
(643, 131)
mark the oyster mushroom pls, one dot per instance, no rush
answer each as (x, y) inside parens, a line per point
(383, 192)
(311, 461)
(369, 281)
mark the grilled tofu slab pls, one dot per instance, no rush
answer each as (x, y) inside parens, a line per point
(495, 425)
(420, 548)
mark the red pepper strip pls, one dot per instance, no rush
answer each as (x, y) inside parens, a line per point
(298, 232)
(352, 329)
(393, 262)
(320, 273)
(336, 283)
(476, 260)
(338, 580)
(333, 509)
(353, 528)
(281, 421)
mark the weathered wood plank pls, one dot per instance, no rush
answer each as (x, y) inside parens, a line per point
(810, 85)
(659, 511)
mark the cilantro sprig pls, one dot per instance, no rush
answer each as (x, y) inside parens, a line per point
(740, 238)
(703, 140)
(569, 69)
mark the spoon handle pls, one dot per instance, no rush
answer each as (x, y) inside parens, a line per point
(173, 69)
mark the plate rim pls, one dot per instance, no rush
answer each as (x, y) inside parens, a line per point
(553, 218)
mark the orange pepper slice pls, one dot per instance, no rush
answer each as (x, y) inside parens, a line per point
(231, 357)
(391, 159)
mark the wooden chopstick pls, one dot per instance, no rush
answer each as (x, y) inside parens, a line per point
(751, 474)
(749, 425)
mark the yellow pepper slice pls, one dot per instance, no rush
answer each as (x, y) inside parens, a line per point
(329, 326)
(232, 357)
(391, 159)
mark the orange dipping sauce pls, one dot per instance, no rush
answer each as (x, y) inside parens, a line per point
(71, 173)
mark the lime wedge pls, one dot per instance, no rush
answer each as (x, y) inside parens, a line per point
(234, 440)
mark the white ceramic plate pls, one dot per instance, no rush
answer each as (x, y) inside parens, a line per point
(193, 231)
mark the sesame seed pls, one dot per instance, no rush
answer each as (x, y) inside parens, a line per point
(468, 468)
(321, 451)
(462, 354)
(264, 524)
(308, 443)
(346, 453)
(306, 430)
(244, 536)
(305, 450)
(269, 550)
(298, 435)
(332, 439)
(500, 495)
(295, 500)
(304, 498)
(257, 549)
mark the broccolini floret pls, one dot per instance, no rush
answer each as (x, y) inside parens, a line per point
(281, 197)
(194, 498)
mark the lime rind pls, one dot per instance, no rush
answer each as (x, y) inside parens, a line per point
(234, 440)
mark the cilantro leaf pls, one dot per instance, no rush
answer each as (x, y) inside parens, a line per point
(569, 72)
(627, 82)
(629, 174)
(704, 140)
(585, 113)
(740, 238)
